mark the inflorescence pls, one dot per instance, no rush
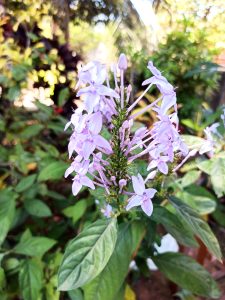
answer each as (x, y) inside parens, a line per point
(98, 162)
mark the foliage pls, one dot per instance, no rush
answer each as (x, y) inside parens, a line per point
(187, 62)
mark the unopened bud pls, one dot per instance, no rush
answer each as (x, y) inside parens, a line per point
(122, 62)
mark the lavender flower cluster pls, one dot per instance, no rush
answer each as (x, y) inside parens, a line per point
(98, 162)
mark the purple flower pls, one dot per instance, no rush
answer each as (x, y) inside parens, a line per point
(88, 140)
(78, 166)
(107, 211)
(79, 181)
(165, 88)
(122, 62)
(94, 74)
(142, 196)
(159, 162)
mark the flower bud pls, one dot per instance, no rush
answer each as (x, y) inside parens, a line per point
(122, 62)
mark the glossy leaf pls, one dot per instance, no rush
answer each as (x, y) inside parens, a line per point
(109, 282)
(87, 254)
(187, 273)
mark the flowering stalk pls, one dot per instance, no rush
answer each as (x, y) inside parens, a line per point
(98, 162)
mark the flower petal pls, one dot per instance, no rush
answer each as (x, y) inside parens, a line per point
(95, 123)
(163, 168)
(150, 192)
(105, 91)
(69, 171)
(87, 182)
(134, 201)
(138, 184)
(147, 207)
(87, 149)
(76, 187)
(102, 143)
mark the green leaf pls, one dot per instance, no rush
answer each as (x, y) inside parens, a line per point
(193, 142)
(197, 225)
(4, 225)
(218, 176)
(187, 273)
(34, 246)
(25, 183)
(189, 178)
(205, 166)
(109, 282)
(215, 167)
(76, 211)
(174, 226)
(76, 294)
(30, 280)
(37, 208)
(2, 279)
(87, 254)
(7, 203)
(53, 171)
(201, 204)
(31, 131)
(7, 212)
(63, 96)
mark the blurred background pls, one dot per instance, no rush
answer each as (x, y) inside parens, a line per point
(43, 43)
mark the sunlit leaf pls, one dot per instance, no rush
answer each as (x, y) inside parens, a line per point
(86, 255)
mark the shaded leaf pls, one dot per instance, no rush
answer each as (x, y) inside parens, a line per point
(25, 183)
(187, 273)
(174, 226)
(37, 208)
(198, 226)
(30, 280)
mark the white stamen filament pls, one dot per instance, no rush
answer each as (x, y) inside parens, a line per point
(145, 108)
(138, 99)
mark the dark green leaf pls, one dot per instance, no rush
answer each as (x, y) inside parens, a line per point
(87, 254)
(7, 212)
(76, 294)
(31, 130)
(37, 208)
(187, 273)
(198, 226)
(174, 226)
(25, 183)
(30, 280)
